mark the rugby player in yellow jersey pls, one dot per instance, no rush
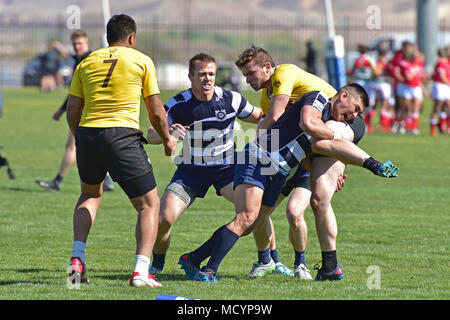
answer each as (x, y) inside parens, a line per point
(282, 86)
(103, 115)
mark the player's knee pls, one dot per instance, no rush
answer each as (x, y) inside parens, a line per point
(294, 214)
(245, 222)
(317, 204)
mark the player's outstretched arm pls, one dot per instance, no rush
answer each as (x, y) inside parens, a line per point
(349, 153)
(176, 130)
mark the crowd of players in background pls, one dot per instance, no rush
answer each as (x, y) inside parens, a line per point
(396, 84)
(396, 87)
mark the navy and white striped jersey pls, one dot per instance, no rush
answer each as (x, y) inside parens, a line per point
(209, 140)
(285, 144)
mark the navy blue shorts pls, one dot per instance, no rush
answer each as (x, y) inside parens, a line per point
(200, 178)
(271, 184)
(299, 180)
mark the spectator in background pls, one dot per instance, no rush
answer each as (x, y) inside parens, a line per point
(51, 79)
(440, 93)
(311, 64)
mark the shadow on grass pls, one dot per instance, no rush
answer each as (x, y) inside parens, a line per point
(27, 190)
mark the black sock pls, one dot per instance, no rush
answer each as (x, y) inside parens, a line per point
(225, 241)
(58, 179)
(329, 260)
(372, 165)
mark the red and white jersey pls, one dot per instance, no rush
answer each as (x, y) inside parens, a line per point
(412, 72)
(385, 67)
(442, 66)
(362, 69)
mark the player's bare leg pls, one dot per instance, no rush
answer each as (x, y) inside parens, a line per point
(298, 230)
(83, 220)
(264, 235)
(147, 207)
(324, 175)
(171, 208)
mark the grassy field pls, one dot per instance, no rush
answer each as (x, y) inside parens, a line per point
(401, 225)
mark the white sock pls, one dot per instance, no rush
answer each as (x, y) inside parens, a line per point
(79, 250)
(141, 265)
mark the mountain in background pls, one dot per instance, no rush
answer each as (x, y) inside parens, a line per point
(183, 10)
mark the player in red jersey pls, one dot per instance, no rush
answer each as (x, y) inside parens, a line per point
(410, 90)
(382, 88)
(362, 72)
(441, 93)
(396, 78)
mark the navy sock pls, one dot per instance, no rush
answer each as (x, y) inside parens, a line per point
(299, 258)
(204, 251)
(264, 256)
(274, 255)
(158, 260)
(329, 260)
(225, 241)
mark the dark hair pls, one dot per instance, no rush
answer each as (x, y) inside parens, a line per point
(201, 57)
(259, 55)
(356, 90)
(119, 27)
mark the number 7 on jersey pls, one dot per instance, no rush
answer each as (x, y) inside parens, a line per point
(110, 71)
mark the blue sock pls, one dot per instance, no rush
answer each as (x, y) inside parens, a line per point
(274, 255)
(225, 241)
(299, 258)
(264, 256)
(158, 260)
(204, 251)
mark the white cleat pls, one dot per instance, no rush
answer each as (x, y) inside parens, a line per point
(138, 281)
(302, 272)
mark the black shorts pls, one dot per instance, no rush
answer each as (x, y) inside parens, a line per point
(118, 151)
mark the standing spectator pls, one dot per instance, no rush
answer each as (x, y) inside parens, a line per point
(311, 64)
(50, 64)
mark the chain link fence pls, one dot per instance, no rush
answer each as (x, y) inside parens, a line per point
(170, 43)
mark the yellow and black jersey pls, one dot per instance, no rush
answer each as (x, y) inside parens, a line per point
(111, 81)
(290, 80)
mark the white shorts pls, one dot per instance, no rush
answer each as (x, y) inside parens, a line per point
(440, 91)
(409, 92)
(383, 90)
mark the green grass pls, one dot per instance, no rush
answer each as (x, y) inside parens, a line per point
(400, 225)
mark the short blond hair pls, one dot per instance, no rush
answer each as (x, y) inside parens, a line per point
(79, 33)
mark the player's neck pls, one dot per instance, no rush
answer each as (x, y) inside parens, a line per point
(200, 96)
(121, 44)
